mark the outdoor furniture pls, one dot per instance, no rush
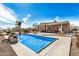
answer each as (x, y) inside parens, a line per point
(6, 39)
(13, 40)
(10, 39)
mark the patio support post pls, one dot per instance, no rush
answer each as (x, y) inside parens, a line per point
(45, 28)
(61, 29)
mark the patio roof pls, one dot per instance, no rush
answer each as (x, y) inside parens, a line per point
(55, 23)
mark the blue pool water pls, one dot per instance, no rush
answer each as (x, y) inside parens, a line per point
(35, 42)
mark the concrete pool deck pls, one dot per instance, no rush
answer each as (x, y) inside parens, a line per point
(60, 47)
(21, 50)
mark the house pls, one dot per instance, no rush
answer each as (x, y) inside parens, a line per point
(54, 27)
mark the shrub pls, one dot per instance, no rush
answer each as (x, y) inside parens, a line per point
(77, 44)
(35, 32)
(77, 38)
(25, 31)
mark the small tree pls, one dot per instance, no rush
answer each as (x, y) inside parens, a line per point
(18, 25)
(35, 25)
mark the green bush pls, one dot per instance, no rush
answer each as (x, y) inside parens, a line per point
(35, 32)
(8, 32)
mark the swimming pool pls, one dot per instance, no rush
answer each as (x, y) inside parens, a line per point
(35, 42)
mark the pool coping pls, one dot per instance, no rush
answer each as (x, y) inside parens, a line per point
(22, 50)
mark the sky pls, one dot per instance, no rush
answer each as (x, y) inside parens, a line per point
(30, 13)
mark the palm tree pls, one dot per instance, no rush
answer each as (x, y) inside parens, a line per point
(18, 25)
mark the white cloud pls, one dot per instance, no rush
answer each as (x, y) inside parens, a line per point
(72, 20)
(6, 26)
(7, 15)
(29, 15)
(57, 18)
(26, 21)
(24, 25)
